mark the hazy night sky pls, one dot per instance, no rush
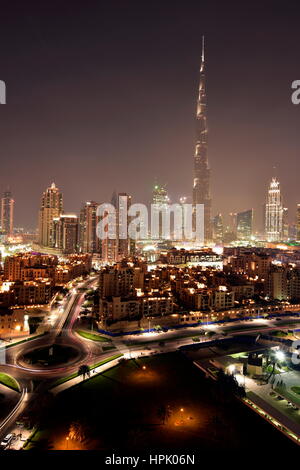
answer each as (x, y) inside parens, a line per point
(102, 96)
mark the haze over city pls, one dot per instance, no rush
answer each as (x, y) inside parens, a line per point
(103, 97)
(150, 337)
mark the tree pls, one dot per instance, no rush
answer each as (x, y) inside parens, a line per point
(164, 412)
(77, 431)
(84, 370)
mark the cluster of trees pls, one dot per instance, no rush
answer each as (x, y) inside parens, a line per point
(164, 412)
(227, 385)
(77, 431)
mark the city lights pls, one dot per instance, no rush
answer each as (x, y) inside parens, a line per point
(149, 246)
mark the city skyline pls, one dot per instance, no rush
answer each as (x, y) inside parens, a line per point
(245, 112)
(149, 230)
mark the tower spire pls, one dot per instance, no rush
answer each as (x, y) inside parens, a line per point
(201, 185)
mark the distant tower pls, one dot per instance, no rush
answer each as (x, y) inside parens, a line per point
(244, 224)
(89, 242)
(201, 186)
(125, 246)
(120, 247)
(273, 212)
(298, 223)
(7, 213)
(285, 224)
(218, 228)
(160, 201)
(51, 207)
(65, 233)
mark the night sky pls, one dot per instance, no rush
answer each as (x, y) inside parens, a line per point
(102, 96)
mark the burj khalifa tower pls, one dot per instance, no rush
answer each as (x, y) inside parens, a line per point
(201, 185)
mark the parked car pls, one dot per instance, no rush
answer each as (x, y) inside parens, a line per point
(7, 440)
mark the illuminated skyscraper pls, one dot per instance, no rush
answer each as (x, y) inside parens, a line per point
(232, 226)
(244, 222)
(285, 224)
(274, 212)
(7, 213)
(218, 229)
(298, 222)
(201, 186)
(89, 242)
(160, 201)
(124, 245)
(65, 233)
(51, 207)
(121, 246)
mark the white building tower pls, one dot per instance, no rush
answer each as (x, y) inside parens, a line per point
(274, 212)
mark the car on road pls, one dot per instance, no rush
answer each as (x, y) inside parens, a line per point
(6, 441)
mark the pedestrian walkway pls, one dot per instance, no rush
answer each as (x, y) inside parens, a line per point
(79, 379)
(278, 409)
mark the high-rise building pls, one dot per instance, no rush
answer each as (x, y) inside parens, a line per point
(88, 240)
(160, 202)
(274, 212)
(124, 245)
(201, 185)
(218, 229)
(285, 224)
(230, 230)
(232, 225)
(51, 207)
(65, 233)
(244, 221)
(7, 213)
(298, 221)
(115, 249)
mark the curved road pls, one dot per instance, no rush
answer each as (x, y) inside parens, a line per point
(89, 353)
(61, 333)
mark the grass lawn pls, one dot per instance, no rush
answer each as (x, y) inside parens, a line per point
(38, 440)
(122, 409)
(289, 322)
(108, 348)
(245, 327)
(93, 336)
(160, 338)
(281, 333)
(10, 345)
(296, 389)
(75, 374)
(9, 381)
(270, 368)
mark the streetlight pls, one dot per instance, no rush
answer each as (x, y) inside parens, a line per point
(67, 439)
(280, 355)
